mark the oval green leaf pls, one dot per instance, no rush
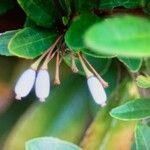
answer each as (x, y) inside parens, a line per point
(75, 34)
(31, 42)
(50, 143)
(41, 12)
(122, 35)
(133, 110)
(133, 64)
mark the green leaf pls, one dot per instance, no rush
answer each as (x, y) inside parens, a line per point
(31, 42)
(5, 5)
(4, 40)
(60, 113)
(142, 139)
(41, 12)
(74, 37)
(133, 64)
(49, 143)
(133, 110)
(143, 81)
(122, 35)
(75, 34)
(110, 4)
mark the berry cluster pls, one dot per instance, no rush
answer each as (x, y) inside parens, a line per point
(41, 76)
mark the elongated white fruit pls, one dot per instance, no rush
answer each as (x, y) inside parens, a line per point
(25, 83)
(97, 91)
(42, 85)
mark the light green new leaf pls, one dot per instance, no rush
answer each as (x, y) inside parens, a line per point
(133, 64)
(133, 110)
(50, 143)
(75, 34)
(30, 42)
(41, 12)
(4, 40)
(122, 35)
(142, 140)
(110, 4)
(143, 81)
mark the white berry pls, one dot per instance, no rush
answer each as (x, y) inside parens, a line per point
(42, 85)
(25, 83)
(97, 91)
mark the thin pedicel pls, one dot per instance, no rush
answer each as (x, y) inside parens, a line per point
(57, 77)
(73, 64)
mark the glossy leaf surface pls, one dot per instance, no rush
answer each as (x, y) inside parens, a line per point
(31, 42)
(122, 35)
(133, 110)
